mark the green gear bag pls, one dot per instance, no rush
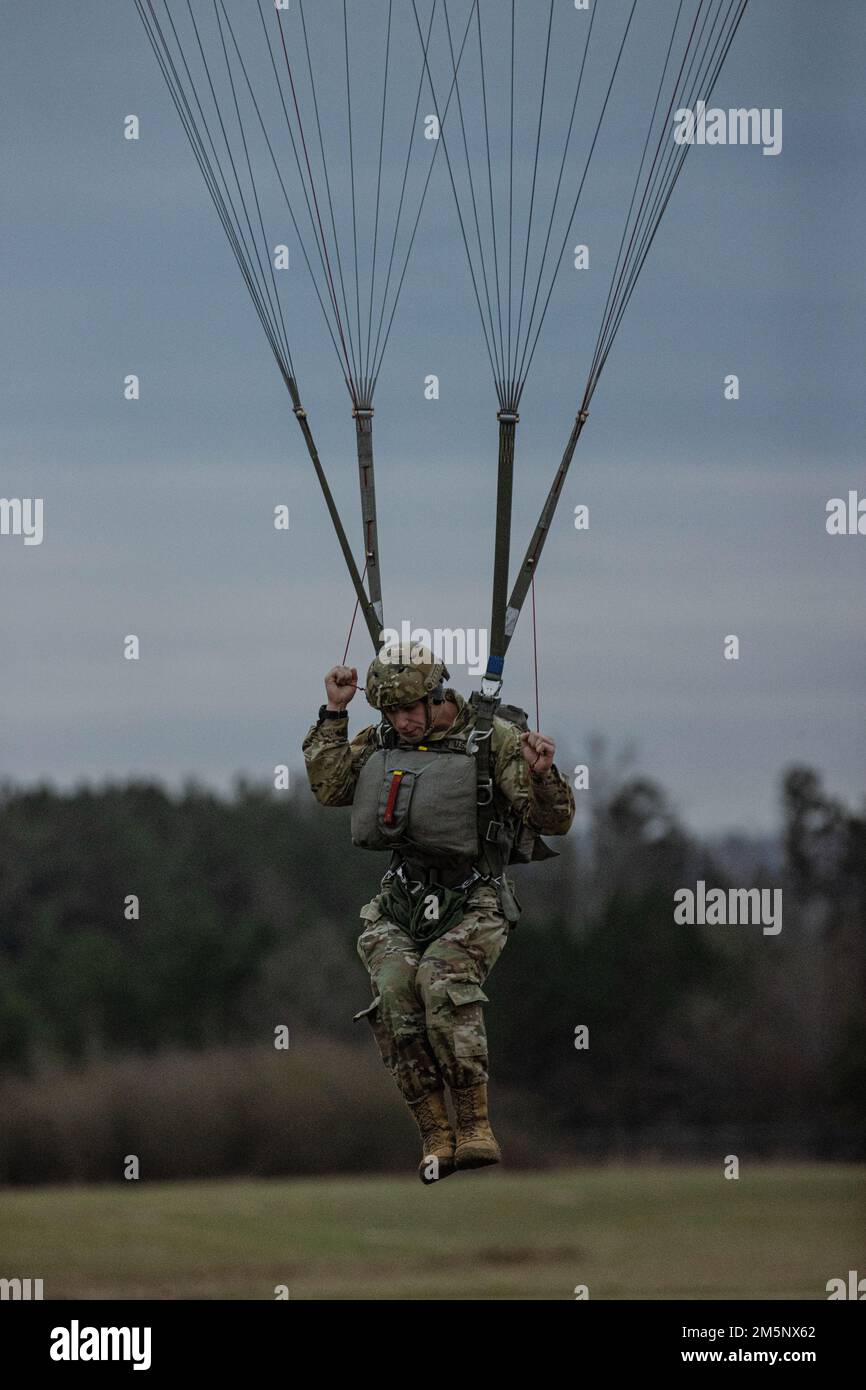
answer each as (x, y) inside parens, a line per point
(426, 912)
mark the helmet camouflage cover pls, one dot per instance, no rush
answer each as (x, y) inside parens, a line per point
(402, 674)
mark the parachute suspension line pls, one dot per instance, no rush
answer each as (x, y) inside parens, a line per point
(379, 354)
(521, 373)
(622, 267)
(507, 382)
(510, 363)
(210, 167)
(358, 374)
(363, 412)
(656, 195)
(499, 369)
(336, 239)
(222, 147)
(511, 188)
(489, 175)
(362, 408)
(279, 176)
(217, 184)
(359, 368)
(363, 422)
(352, 623)
(444, 143)
(705, 81)
(275, 316)
(504, 341)
(367, 380)
(708, 68)
(351, 173)
(526, 361)
(276, 299)
(330, 278)
(534, 177)
(625, 229)
(310, 214)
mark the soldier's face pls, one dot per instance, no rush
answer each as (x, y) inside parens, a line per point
(409, 721)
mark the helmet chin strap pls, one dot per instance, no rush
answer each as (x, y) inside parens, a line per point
(435, 697)
(428, 701)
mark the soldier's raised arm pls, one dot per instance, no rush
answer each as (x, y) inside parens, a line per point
(332, 762)
(527, 776)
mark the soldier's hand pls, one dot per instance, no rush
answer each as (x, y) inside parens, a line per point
(341, 682)
(538, 751)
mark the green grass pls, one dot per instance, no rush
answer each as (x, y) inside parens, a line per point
(780, 1231)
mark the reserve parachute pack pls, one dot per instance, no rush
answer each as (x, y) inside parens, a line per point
(435, 802)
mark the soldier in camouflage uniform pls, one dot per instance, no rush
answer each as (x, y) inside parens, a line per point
(435, 930)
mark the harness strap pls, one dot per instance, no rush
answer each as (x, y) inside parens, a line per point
(492, 833)
(539, 536)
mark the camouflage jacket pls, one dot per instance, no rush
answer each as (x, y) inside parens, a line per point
(333, 765)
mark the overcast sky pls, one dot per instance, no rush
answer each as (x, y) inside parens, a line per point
(707, 517)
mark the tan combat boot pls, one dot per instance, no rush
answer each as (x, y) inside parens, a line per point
(476, 1145)
(437, 1137)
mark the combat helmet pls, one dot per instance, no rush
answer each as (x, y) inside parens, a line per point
(403, 673)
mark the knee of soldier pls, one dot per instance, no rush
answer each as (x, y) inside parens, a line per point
(395, 985)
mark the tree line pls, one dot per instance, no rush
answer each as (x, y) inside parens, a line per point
(135, 921)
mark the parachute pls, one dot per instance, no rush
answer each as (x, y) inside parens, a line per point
(267, 97)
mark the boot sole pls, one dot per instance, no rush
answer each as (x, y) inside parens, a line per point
(477, 1160)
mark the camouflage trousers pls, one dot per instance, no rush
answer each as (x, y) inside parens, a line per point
(426, 1014)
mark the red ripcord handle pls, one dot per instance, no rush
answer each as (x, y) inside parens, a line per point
(388, 817)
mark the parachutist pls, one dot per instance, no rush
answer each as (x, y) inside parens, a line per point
(454, 789)
(445, 908)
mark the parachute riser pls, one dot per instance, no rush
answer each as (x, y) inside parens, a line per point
(370, 616)
(363, 416)
(539, 536)
(508, 421)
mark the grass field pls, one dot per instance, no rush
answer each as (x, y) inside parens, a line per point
(779, 1231)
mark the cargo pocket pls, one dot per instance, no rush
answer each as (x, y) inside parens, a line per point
(371, 912)
(395, 799)
(470, 1039)
(371, 915)
(384, 1040)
